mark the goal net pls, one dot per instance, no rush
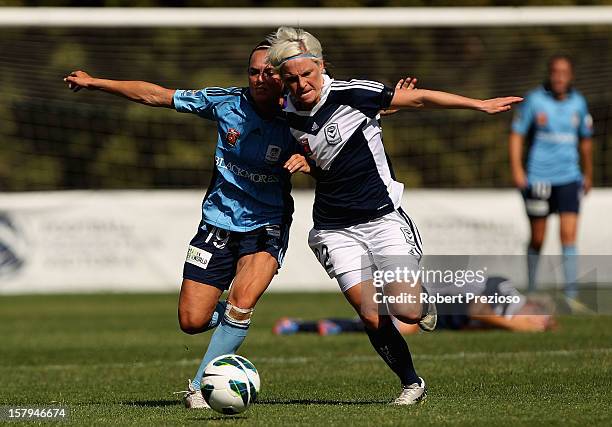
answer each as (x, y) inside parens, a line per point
(52, 138)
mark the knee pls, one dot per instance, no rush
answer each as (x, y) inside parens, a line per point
(536, 243)
(568, 237)
(407, 313)
(411, 317)
(243, 301)
(370, 321)
(192, 323)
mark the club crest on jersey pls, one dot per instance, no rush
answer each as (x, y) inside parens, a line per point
(332, 134)
(305, 146)
(541, 119)
(232, 136)
(273, 154)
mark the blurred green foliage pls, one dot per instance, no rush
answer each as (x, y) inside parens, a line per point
(51, 138)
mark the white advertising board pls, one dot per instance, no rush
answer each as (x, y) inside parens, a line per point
(136, 241)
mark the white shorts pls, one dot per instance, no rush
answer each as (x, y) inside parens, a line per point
(353, 254)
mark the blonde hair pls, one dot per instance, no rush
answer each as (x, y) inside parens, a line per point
(289, 43)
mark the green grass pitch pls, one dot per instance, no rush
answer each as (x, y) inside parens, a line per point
(116, 359)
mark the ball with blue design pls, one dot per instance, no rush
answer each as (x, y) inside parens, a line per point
(230, 384)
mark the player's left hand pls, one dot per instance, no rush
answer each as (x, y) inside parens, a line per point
(499, 105)
(407, 83)
(587, 184)
(297, 163)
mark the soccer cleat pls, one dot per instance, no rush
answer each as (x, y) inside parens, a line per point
(414, 393)
(576, 307)
(429, 321)
(327, 327)
(285, 326)
(193, 397)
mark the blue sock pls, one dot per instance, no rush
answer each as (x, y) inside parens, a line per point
(225, 340)
(216, 316)
(533, 257)
(570, 268)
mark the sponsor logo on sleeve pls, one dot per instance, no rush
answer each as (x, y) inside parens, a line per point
(588, 121)
(198, 257)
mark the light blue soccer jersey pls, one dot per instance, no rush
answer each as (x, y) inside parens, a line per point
(554, 129)
(249, 188)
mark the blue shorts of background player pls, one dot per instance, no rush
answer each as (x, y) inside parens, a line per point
(543, 199)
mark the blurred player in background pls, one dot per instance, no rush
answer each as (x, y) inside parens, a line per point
(359, 225)
(555, 121)
(519, 315)
(247, 210)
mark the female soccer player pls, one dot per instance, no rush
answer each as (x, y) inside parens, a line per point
(360, 229)
(247, 210)
(556, 121)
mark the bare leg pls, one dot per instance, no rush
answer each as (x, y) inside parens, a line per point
(197, 302)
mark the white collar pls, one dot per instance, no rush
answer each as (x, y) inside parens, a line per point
(290, 108)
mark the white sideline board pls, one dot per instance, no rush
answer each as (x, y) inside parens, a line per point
(136, 241)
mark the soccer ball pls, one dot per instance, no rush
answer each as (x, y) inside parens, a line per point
(230, 384)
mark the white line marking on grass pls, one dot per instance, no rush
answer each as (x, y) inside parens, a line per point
(313, 359)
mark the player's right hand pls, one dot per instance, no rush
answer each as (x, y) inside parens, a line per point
(519, 179)
(78, 80)
(499, 105)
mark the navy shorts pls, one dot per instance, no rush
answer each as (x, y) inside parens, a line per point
(543, 199)
(213, 252)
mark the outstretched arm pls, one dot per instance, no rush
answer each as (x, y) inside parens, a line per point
(422, 98)
(137, 91)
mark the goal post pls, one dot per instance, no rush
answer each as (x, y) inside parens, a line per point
(306, 17)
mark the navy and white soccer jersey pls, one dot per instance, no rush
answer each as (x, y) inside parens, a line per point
(359, 226)
(250, 188)
(354, 179)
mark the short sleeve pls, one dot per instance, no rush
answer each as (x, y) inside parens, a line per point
(196, 102)
(365, 95)
(585, 130)
(523, 118)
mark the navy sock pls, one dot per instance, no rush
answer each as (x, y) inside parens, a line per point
(391, 346)
(216, 316)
